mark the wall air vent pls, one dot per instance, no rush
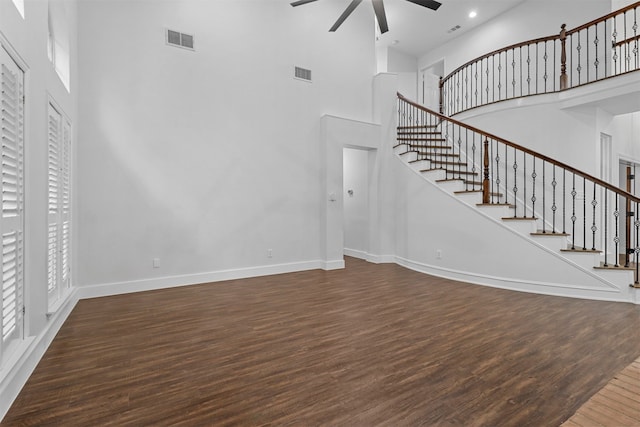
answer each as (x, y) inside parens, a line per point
(302, 74)
(452, 29)
(178, 39)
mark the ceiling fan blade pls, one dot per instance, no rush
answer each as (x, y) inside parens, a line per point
(301, 2)
(431, 4)
(345, 14)
(378, 8)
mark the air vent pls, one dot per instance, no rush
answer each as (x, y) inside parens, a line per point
(178, 39)
(302, 74)
(452, 29)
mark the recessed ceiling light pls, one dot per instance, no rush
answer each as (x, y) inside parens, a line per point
(473, 14)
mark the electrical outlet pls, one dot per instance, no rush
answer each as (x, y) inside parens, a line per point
(269, 253)
(156, 263)
(438, 253)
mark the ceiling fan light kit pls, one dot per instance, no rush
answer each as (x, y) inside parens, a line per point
(378, 8)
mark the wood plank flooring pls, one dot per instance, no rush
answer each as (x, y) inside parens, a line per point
(370, 345)
(617, 404)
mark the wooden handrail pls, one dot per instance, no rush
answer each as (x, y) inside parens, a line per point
(558, 70)
(542, 157)
(543, 39)
(504, 49)
(604, 18)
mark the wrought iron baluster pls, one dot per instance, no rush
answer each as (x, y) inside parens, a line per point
(614, 46)
(515, 179)
(637, 247)
(564, 199)
(524, 183)
(594, 203)
(546, 72)
(587, 61)
(506, 174)
(606, 196)
(579, 67)
(544, 198)
(533, 185)
(513, 73)
(537, 79)
(596, 62)
(584, 214)
(553, 205)
(573, 213)
(616, 239)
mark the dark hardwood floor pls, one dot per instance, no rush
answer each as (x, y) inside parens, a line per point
(365, 346)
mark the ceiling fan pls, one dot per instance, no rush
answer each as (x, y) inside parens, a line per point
(378, 7)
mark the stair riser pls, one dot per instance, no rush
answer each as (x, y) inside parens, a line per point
(586, 260)
(451, 186)
(496, 211)
(524, 227)
(555, 243)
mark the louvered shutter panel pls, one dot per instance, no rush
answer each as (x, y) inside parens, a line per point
(58, 205)
(11, 221)
(55, 129)
(65, 206)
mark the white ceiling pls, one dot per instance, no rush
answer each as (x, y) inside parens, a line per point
(418, 29)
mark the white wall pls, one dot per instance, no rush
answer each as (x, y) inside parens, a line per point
(529, 20)
(207, 159)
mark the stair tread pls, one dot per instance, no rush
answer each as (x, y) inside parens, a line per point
(581, 250)
(613, 267)
(431, 147)
(480, 191)
(420, 139)
(435, 132)
(448, 162)
(549, 233)
(449, 179)
(509, 205)
(417, 127)
(518, 218)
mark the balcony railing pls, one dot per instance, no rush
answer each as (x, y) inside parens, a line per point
(600, 49)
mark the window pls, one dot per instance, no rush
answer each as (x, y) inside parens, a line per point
(20, 6)
(58, 205)
(12, 203)
(58, 41)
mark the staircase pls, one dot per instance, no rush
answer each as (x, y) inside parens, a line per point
(580, 218)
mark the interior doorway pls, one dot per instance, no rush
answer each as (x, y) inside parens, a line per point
(429, 82)
(627, 172)
(356, 201)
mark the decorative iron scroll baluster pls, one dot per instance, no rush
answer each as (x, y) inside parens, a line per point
(573, 214)
(506, 173)
(524, 183)
(564, 201)
(553, 205)
(594, 203)
(515, 180)
(637, 249)
(533, 185)
(485, 181)
(606, 196)
(616, 239)
(544, 199)
(584, 214)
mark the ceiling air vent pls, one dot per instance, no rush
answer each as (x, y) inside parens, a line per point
(452, 29)
(178, 39)
(302, 74)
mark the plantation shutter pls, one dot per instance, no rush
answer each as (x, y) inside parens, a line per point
(53, 208)
(65, 206)
(58, 205)
(11, 219)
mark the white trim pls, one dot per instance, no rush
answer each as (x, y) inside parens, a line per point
(355, 253)
(333, 265)
(120, 288)
(543, 288)
(16, 372)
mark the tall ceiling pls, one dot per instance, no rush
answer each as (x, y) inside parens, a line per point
(415, 30)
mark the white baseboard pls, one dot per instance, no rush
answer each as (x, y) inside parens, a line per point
(16, 371)
(355, 253)
(117, 288)
(555, 289)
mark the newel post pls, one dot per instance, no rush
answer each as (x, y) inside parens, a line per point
(485, 182)
(441, 86)
(563, 57)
